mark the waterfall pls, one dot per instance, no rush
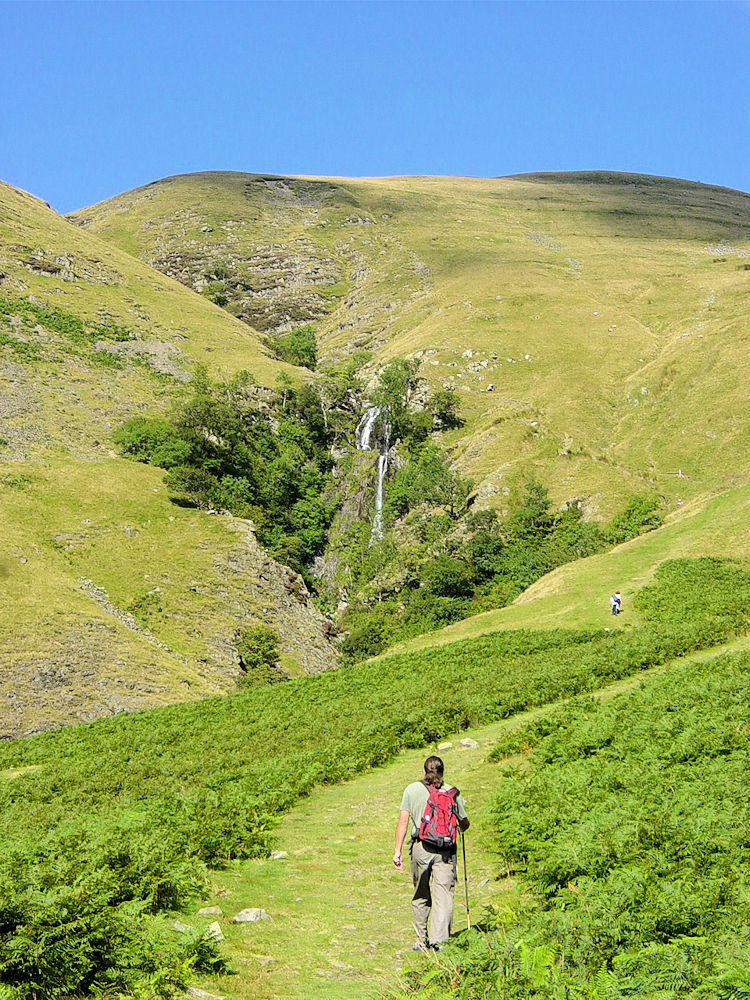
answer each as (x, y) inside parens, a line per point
(377, 521)
(362, 439)
(365, 427)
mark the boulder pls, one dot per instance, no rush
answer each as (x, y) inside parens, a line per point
(214, 932)
(210, 911)
(471, 744)
(251, 916)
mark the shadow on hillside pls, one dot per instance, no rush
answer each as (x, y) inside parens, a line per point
(635, 205)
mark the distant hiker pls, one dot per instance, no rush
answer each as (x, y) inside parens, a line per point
(437, 812)
(615, 603)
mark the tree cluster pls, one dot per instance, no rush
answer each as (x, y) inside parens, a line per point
(467, 561)
(227, 447)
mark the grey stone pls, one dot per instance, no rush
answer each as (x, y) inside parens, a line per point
(214, 932)
(181, 928)
(445, 746)
(472, 744)
(278, 855)
(212, 911)
(193, 991)
(251, 916)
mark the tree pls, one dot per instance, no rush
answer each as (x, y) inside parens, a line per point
(285, 386)
(531, 521)
(258, 650)
(439, 484)
(302, 347)
(427, 478)
(397, 382)
(298, 347)
(444, 409)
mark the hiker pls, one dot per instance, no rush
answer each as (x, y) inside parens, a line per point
(437, 812)
(615, 603)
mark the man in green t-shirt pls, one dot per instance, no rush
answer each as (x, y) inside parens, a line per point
(433, 869)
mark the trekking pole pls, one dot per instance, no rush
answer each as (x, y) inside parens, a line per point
(466, 882)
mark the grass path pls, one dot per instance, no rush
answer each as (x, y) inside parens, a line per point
(341, 927)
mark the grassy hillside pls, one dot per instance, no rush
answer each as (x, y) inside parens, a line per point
(594, 328)
(106, 826)
(111, 597)
(577, 595)
(593, 324)
(625, 824)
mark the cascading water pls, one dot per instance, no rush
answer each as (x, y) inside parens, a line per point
(377, 521)
(362, 439)
(365, 428)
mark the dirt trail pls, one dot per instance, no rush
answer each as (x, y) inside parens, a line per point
(341, 916)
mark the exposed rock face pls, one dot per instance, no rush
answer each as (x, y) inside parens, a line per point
(102, 661)
(273, 289)
(67, 267)
(164, 358)
(279, 597)
(355, 497)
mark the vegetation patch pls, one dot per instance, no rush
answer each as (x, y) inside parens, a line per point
(442, 561)
(90, 853)
(628, 822)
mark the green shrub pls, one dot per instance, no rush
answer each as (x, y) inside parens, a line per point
(641, 513)
(153, 440)
(368, 637)
(448, 577)
(192, 487)
(258, 649)
(298, 347)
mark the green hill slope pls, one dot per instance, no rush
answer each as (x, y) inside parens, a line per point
(111, 597)
(107, 828)
(593, 324)
(576, 595)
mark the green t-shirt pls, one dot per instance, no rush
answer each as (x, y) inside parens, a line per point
(415, 799)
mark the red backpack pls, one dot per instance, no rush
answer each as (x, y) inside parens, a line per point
(439, 824)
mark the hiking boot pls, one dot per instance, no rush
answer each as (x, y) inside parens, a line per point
(419, 947)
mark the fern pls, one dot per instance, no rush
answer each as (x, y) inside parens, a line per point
(603, 985)
(734, 984)
(536, 963)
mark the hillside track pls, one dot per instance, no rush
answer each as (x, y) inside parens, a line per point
(341, 917)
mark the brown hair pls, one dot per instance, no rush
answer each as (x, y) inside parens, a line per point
(433, 771)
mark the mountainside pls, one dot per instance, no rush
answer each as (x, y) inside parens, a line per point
(593, 324)
(593, 327)
(113, 598)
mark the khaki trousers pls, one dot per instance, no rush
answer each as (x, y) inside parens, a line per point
(434, 878)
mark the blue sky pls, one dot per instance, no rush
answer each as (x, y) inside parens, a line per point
(98, 98)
